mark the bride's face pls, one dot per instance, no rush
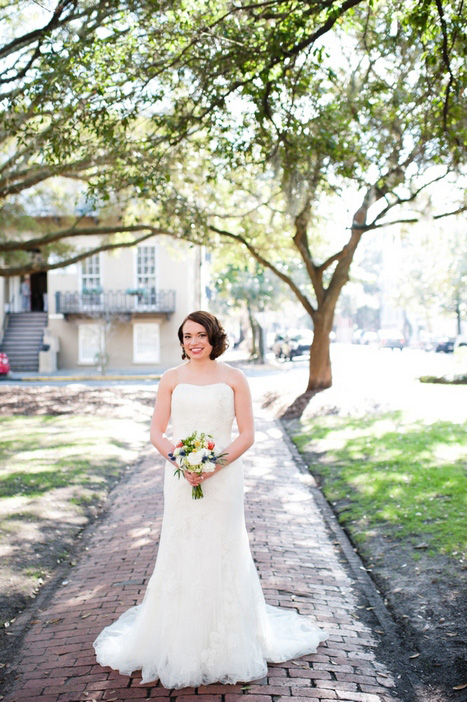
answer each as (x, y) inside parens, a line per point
(195, 341)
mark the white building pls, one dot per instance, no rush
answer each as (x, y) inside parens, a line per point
(120, 309)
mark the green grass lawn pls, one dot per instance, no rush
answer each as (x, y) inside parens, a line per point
(55, 474)
(391, 474)
(39, 454)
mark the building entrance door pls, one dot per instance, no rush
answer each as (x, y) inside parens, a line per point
(39, 292)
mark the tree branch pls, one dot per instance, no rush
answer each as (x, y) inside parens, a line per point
(246, 213)
(36, 34)
(450, 214)
(300, 240)
(340, 275)
(446, 60)
(326, 27)
(399, 201)
(38, 242)
(23, 180)
(372, 226)
(38, 267)
(332, 259)
(267, 264)
(412, 220)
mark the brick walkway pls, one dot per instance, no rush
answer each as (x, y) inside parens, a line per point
(300, 563)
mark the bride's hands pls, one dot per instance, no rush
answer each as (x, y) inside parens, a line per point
(194, 479)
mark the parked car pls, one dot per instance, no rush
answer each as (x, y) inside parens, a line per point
(428, 342)
(445, 345)
(4, 364)
(299, 343)
(292, 343)
(357, 336)
(391, 339)
(461, 340)
(369, 337)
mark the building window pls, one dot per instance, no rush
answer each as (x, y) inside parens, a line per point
(91, 274)
(146, 343)
(89, 343)
(146, 274)
(91, 289)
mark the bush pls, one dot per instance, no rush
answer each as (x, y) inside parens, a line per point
(444, 379)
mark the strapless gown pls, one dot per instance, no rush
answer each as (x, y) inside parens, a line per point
(203, 618)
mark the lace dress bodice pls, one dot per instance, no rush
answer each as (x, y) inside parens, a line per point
(203, 408)
(209, 409)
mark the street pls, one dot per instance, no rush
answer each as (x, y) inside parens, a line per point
(386, 376)
(389, 378)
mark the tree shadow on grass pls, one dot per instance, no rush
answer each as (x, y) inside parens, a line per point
(320, 427)
(79, 473)
(410, 479)
(398, 488)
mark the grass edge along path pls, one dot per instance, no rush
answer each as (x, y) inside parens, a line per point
(386, 472)
(398, 488)
(55, 475)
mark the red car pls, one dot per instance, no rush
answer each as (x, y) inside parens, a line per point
(4, 364)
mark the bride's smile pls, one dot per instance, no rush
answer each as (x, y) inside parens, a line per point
(195, 340)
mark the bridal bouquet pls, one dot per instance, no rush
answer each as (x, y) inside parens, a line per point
(196, 454)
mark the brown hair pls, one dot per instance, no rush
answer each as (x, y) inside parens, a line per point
(216, 334)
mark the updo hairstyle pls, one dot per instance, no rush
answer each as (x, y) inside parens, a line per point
(216, 334)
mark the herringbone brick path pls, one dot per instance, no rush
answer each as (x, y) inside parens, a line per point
(299, 564)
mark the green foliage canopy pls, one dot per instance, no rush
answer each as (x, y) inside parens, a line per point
(275, 105)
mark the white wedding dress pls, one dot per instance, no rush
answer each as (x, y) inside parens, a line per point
(203, 618)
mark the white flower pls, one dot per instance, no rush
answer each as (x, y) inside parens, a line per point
(195, 458)
(209, 467)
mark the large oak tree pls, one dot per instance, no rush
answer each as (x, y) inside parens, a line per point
(272, 106)
(102, 92)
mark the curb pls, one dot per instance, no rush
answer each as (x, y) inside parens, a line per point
(389, 639)
(77, 378)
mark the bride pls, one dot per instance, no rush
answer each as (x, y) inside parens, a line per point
(203, 618)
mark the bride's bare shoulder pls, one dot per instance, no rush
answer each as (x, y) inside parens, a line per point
(234, 376)
(171, 377)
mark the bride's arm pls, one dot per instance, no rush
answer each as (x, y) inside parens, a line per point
(244, 417)
(161, 416)
(245, 424)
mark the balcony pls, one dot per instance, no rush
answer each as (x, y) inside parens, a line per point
(114, 303)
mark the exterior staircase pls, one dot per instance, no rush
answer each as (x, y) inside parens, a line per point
(22, 340)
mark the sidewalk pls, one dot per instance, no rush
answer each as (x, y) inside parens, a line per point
(80, 375)
(86, 374)
(304, 562)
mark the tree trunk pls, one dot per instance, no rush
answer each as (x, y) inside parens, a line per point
(458, 314)
(257, 337)
(320, 376)
(261, 358)
(251, 319)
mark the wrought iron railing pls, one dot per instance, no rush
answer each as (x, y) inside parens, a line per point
(96, 302)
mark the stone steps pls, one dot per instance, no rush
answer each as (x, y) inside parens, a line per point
(22, 340)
